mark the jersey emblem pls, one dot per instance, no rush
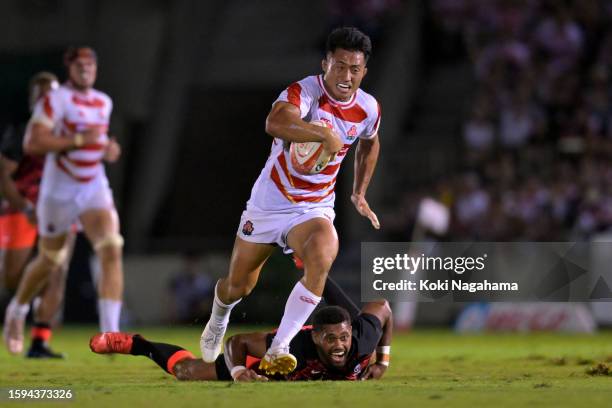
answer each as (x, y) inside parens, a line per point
(357, 369)
(247, 228)
(352, 132)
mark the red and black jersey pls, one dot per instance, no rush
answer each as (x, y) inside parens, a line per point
(367, 331)
(30, 168)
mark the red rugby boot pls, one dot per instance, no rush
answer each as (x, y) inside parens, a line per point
(111, 342)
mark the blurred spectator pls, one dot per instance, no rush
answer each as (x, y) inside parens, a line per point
(191, 291)
(538, 136)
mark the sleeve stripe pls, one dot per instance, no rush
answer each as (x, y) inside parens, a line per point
(48, 108)
(294, 94)
(377, 124)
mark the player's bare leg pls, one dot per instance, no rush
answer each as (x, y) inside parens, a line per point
(46, 310)
(102, 229)
(13, 263)
(246, 262)
(52, 253)
(316, 243)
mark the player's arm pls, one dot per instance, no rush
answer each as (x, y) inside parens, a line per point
(9, 190)
(39, 139)
(366, 157)
(382, 311)
(284, 122)
(237, 348)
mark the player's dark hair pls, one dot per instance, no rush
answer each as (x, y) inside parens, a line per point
(329, 315)
(350, 39)
(37, 84)
(73, 53)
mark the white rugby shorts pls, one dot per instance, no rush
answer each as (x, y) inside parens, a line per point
(269, 227)
(57, 213)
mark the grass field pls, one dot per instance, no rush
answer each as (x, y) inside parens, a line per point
(428, 369)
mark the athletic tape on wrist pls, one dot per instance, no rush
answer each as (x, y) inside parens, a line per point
(383, 354)
(237, 370)
(383, 350)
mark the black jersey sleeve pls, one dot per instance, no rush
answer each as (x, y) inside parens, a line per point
(367, 331)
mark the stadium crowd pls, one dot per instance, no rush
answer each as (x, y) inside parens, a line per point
(537, 137)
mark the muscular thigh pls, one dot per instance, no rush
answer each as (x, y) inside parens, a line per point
(313, 238)
(99, 223)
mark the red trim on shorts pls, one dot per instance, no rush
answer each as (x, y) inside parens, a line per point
(43, 334)
(176, 357)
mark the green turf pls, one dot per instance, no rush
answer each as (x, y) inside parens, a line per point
(428, 369)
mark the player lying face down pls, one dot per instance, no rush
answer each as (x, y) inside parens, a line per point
(334, 348)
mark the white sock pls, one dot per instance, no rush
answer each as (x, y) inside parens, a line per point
(109, 312)
(300, 304)
(18, 310)
(219, 317)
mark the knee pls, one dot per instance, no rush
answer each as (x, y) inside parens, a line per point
(52, 258)
(182, 371)
(109, 247)
(319, 255)
(229, 291)
(242, 290)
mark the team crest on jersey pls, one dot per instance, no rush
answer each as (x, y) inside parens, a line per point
(352, 133)
(247, 228)
(357, 369)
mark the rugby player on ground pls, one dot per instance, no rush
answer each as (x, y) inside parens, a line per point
(295, 211)
(70, 126)
(338, 346)
(20, 176)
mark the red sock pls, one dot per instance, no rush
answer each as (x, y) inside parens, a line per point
(176, 357)
(42, 332)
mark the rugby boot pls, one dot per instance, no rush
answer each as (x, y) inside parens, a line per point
(278, 361)
(111, 342)
(211, 342)
(40, 349)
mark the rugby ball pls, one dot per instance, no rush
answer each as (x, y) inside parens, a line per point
(309, 157)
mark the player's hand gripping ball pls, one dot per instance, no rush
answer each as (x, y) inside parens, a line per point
(310, 157)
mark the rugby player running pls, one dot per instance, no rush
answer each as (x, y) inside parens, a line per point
(296, 211)
(20, 176)
(70, 127)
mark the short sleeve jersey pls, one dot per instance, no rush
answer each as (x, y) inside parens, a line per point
(68, 111)
(279, 186)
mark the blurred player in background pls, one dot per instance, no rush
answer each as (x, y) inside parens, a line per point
(20, 176)
(70, 126)
(295, 211)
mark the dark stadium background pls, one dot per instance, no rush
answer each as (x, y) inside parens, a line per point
(192, 82)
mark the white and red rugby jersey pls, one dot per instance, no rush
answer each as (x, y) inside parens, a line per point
(279, 187)
(67, 111)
